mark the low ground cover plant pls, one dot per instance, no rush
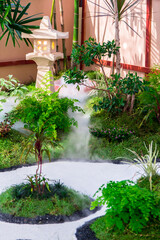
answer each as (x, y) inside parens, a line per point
(12, 87)
(152, 231)
(104, 149)
(113, 134)
(20, 201)
(5, 126)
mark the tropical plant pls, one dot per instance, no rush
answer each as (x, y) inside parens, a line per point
(119, 10)
(43, 116)
(14, 20)
(38, 183)
(127, 205)
(148, 162)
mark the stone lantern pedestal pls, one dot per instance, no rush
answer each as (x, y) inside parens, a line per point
(45, 54)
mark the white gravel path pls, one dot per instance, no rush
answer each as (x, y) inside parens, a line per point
(82, 176)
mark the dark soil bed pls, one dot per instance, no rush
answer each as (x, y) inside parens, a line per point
(47, 219)
(85, 233)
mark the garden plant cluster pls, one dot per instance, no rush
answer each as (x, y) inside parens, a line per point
(125, 114)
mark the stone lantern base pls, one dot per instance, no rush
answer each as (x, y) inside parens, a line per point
(45, 77)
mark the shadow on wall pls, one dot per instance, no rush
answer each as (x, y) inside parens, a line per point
(133, 45)
(101, 27)
(155, 33)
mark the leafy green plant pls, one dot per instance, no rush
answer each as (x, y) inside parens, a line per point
(12, 87)
(128, 205)
(148, 162)
(114, 134)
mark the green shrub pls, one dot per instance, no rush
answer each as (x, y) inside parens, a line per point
(123, 93)
(128, 205)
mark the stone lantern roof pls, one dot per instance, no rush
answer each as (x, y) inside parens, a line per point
(46, 32)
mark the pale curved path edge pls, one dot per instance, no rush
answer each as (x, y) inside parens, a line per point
(81, 176)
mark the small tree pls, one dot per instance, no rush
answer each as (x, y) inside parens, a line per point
(43, 115)
(90, 53)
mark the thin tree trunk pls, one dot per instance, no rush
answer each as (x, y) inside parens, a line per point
(132, 103)
(113, 64)
(63, 40)
(75, 27)
(117, 39)
(127, 103)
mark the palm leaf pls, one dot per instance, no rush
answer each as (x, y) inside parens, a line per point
(15, 23)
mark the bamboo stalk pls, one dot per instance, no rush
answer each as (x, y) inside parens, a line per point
(76, 22)
(75, 27)
(52, 11)
(63, 40)
(53, 16)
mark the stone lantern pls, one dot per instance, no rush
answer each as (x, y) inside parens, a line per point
(45, 54)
